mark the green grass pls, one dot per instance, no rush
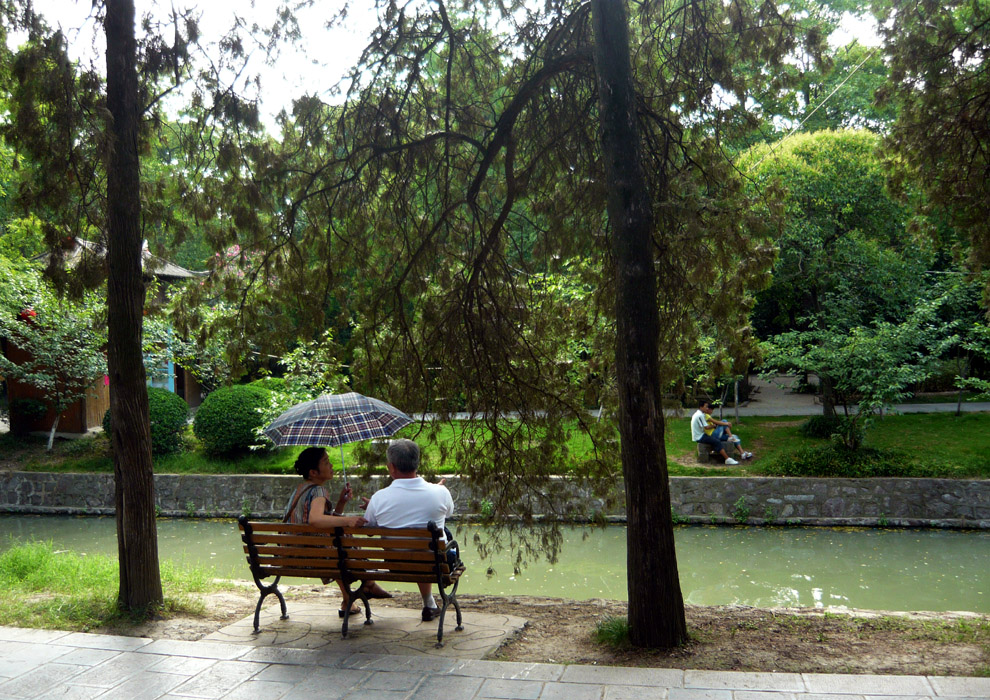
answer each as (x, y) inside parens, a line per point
(51, 589)
(613, 632)
(929, 444)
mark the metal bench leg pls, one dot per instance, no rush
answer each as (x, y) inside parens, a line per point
(265, 592)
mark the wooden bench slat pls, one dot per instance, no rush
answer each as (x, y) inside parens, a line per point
(329, 552)
(298, 562)
(266, 571)
(308, 540)
(385, 543)
(398, 555)
(424, 567)
(363, 531)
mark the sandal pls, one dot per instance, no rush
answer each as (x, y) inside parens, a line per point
(355, 610)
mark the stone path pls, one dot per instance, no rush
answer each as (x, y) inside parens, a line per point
(394, 631)
(52, 664)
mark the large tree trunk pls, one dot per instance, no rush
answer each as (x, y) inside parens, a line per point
(137, 537)
(656, 608)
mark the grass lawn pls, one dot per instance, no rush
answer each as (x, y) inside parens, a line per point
(952, 446)
(63, 590)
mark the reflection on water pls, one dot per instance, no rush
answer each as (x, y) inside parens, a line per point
(767, 567)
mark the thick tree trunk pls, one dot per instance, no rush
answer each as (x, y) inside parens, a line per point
(137, 537)
(656, 607)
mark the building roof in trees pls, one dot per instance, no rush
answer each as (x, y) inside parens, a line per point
(151, 263)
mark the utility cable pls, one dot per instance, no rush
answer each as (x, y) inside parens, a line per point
(819, 106)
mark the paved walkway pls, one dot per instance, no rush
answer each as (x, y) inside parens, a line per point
(51, 664)
(774, 398)
(395, 630)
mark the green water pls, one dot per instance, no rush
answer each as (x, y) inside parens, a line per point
(768, 567)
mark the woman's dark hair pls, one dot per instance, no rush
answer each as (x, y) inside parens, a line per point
(309, 461)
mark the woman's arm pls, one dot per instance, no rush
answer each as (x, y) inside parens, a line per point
(318, 516)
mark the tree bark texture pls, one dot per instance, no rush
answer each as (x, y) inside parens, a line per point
(656, 607)
(137, 537)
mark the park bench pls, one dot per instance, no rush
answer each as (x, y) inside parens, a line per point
(351, 555)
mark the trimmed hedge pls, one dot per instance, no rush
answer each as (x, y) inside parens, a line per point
(227, 418)
(836, 461)
(168, 413)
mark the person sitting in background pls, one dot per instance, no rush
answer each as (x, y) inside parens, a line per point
(410, 501)
(310, 504)
(710, 431)
(721, 430)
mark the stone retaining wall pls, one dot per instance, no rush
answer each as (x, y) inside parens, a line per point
(756, 501)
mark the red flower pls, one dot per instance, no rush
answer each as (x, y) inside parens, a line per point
(26, 315)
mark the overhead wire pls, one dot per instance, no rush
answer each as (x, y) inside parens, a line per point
(821, 104)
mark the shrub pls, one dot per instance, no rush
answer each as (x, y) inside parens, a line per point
(836, 460)
(227, 419)
(270, 383)
(168, 413)
(824, 427)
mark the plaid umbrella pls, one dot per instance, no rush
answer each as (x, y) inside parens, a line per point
(335, 419)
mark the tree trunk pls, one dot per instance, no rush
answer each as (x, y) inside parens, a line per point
(828, 395)
(137, 537)
(656, 608)
(962, 384)
(51, 433)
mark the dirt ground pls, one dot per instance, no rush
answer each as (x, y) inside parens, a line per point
(721, 638)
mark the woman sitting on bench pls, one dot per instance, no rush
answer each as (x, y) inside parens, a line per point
(310, 505)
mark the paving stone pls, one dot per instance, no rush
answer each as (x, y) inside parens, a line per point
(963, 687)
(285, 673)
(181, 665)
(765, 695)
(460, 687)
(19, 657)
(286, 655)
(87, 657)
(259, 690)
(573, 691)
(698, 694)
(734, 680)
(204, 650)
(119, 668)
(104, 641)
(659, 677)
(362, 694)
(392, 680)
(634, 692)
(426, 664)
(147, 686)
(67, 691)
(509, 670)
(868, 685)
(37, 680)
(328, 684)
(27, 634)
(219, 679)
(509, 688)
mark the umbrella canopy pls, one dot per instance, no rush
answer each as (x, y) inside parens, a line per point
(336, 419)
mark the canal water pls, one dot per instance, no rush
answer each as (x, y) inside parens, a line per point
(934, 570)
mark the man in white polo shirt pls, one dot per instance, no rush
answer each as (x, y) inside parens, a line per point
(410, 501)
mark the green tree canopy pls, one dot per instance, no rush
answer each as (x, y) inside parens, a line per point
(940, 83)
